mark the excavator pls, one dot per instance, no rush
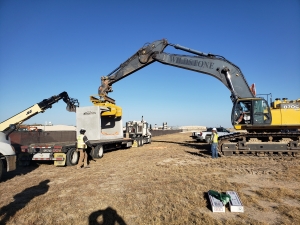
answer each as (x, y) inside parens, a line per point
(270, 129)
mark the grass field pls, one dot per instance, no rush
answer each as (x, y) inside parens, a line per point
(165, 182)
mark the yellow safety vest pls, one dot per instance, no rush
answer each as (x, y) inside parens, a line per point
(215, 138)
(80, 142)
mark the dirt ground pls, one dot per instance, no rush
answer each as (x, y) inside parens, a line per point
(165, 182)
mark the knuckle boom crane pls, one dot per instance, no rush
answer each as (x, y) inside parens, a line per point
(39, 108)
(7, 151)
(268, 127)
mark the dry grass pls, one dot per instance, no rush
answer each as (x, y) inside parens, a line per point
(161, 183)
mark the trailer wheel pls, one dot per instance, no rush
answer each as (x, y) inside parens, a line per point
(72, 157)
(1, 168)
(98, 152)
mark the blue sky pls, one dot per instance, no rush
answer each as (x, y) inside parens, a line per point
(47, 47)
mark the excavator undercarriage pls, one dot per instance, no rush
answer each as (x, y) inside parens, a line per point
(261, 144)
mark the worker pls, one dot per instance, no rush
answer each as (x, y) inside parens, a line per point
(214, 143)
(82, 143)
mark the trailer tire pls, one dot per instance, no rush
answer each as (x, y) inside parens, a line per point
(1, 168)
(98, 152)
(92, 153)
(72, 157)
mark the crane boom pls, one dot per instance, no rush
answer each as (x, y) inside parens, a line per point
(217, 66)
(38, 108)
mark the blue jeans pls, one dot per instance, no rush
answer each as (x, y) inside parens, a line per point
(214, 151)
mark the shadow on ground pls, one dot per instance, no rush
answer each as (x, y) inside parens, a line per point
(21, 170)
(108, 216)
(22, 199)
(204, 149)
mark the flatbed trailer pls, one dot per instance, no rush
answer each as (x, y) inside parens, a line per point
(103, 129)
(65, 153)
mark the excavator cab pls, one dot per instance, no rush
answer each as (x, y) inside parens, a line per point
(250, 112)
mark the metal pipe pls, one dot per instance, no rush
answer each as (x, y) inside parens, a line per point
(188, 50)
(113, 71)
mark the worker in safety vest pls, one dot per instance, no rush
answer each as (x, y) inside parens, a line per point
(214, 143)
(82, 143)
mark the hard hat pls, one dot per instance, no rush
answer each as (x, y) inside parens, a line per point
(214, 129)
(82, 131)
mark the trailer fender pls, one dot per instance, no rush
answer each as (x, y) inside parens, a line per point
(24, 159)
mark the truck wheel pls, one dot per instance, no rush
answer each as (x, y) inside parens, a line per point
(1, 168)
(98, 152)
(140, 141)
(72, 157)
(137, 142)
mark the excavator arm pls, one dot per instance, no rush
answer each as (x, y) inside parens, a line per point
(39, 108)
(217, 66)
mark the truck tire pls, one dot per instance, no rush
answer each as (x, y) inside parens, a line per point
(1, 169)
(72, 157)
(137, 142)
(98, 152)
(142, 141)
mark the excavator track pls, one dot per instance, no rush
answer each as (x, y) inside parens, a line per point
(260, 144)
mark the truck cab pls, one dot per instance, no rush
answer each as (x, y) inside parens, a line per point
(7, 152)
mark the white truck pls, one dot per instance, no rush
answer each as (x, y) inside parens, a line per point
(103, 125)
(204, 136)
(139, 132)
(7, 152)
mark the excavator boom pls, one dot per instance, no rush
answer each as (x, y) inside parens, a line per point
(217, 66)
